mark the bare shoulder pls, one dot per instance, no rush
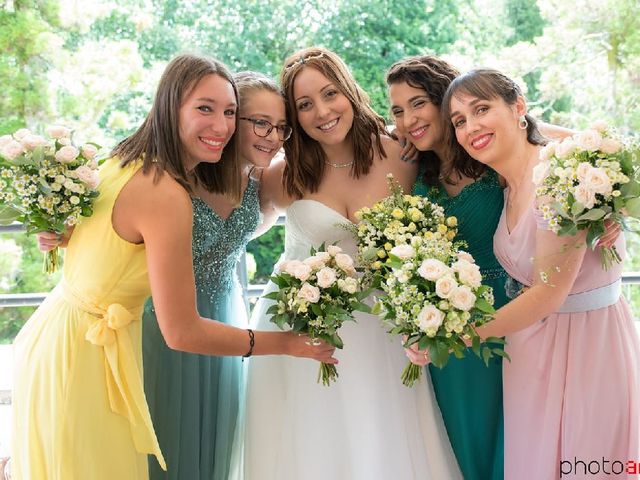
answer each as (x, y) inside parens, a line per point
(272, 188)
(404, 172)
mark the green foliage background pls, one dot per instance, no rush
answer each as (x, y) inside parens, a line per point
(94, 65)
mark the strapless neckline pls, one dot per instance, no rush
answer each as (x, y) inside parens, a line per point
(326, 207)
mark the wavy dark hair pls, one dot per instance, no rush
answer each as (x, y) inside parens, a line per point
(157, 141)
(486, 84)
(433, 75)
(304, 156)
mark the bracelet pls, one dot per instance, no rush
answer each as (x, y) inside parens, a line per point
(252, 342)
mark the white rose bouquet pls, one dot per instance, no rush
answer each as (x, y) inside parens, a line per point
(316, 296)
(586, 179)
(434, 297)
(46, 183)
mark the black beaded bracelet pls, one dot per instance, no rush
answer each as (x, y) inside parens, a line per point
(252, 342)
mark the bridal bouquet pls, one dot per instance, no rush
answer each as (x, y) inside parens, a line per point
(46, 183)
(586, 179)
(316, 296)
(432, 291)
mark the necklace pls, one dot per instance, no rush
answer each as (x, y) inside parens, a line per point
(339, 165)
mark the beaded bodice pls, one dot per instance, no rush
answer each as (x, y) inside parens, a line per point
(218, 242)
(477, 207)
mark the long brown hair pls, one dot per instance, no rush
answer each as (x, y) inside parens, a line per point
(486, 84)
(305, 158)
(157, 141)
(433, 75)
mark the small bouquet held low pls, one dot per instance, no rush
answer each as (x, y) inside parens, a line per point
(586, 179)
(316, 296)
(433, 295)
(46, 183)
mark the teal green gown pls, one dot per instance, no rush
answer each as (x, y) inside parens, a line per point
(194, 399)
(469, 393)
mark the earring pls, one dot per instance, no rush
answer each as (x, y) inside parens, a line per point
(522, 122)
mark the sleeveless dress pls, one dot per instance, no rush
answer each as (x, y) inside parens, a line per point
(468, 392)
(194, 399)
(366, 425)
(572, 388)
(79, 410)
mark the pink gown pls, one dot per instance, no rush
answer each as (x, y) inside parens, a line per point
(571, 390)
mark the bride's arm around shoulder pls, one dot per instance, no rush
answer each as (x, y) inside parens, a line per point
(405, 172)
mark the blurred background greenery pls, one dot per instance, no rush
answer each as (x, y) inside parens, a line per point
(94, 65)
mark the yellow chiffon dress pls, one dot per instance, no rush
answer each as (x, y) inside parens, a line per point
(79, 410)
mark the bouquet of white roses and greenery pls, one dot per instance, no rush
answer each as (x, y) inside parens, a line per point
(316, 296)
(46, 183)
(586, 179)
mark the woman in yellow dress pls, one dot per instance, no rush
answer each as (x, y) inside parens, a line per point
(79, 408)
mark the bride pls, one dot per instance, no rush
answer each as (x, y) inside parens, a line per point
(366, 425)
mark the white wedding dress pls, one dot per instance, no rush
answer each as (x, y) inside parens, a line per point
(366, 425)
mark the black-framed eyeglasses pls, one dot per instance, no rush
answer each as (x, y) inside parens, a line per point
(263, 128)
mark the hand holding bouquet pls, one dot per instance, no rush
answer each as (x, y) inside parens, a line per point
(586, 179)
(316, 296)
(46, 183)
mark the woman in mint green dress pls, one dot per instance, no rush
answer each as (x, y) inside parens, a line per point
(194, 399)
(468, 392)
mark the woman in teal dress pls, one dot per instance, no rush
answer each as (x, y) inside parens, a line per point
(468, 392)
(194, 399)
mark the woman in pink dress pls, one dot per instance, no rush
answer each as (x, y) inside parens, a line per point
(571, 390)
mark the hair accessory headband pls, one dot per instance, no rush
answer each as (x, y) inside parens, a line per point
(302, 60)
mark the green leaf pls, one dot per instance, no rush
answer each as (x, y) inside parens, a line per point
(361, 307)
(568, 230)
(486, 355)
(8, 214)
(576, 208)
(633, 207)
(594, 233)
(630, 189)
(484, 306)
(271, 295)
(593, 214)
(439, 354)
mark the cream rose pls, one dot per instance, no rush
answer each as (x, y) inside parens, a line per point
(344, 261)
(547, 151)
(309, 293)
(5, 139)
(12, 150)
(326, 277)
(540, 172)
(462, 255)
(58, 131)
(403, 251)
(468, 273)
(445, 286)
(462, 298)
(324, 256)
(599, 126)
(33, 141)
(333, 250)
(429, 318)
(88, 176)
(20, 134)
(67, 154)
(315, 262)
(589, 140)
(610, 146)
(585, 195)
(349, 285)
(598, 181)
(565, 148)
(582, 170)
(89, 151)
(432, 269)
(299, 270)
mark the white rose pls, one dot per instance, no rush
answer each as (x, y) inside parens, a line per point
(88, 176)
(589, 140)
(547, 151)
(67, 154)
(5, 139)
(582, 170)
(58, 131)
(20, 134)
(314, 262)
(324, 256)
(429, 318)
(299, 270)
(565, 148)
(333, 250)
(12, 150)
(309, 293)
(445, 286)
(89, 151)
(469, 274)
(432, 269)
(599, 126)
(344, 261)
(610, 146)
(349, 285)
(462, 255)
(74, 200)
(598, 181)
(403, 252)
(462, 298)
(326, 277)
(540, 172)
(64, 141)
(585, 195)
(33, 141)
